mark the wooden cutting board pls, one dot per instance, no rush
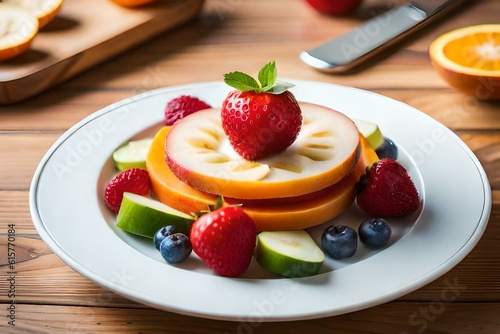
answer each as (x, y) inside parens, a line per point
(85, 33)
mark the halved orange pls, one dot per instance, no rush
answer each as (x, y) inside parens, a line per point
(18, 28)
(133, 3)
(468, 59)
(44, 10)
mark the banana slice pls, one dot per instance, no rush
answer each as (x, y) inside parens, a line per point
(324, 152)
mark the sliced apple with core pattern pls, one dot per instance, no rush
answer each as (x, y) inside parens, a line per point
(289, 253)
(290, 214)
(144, 216)
(199, 153)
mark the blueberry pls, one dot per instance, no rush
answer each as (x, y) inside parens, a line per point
(374, 232)
(388, 149)
(161, 234)
(339, 242)
(175, 247)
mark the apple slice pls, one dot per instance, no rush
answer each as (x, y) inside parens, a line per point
(144, 216)
(371, 131)
(133, 154)
(199, 154)
(289, 253)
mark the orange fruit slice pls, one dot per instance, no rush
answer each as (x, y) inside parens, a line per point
(468, 59)
(44, 10)
(199, 153)
(289, 214)
(18, 28)
(133, 3)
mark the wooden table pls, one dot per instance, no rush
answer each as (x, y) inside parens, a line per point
(51, 298)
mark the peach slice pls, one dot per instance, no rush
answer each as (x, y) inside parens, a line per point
(292, 214)
(198, 153)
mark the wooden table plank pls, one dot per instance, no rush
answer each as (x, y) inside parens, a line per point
(22, 154)
(399, 317)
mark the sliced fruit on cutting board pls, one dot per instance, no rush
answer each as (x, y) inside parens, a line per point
(44, 10)
(290, 214)
(289, 253)
(144, 216)
(468, 59)
(371, 131)
(199, 153)
(18, 28)
(133, 154)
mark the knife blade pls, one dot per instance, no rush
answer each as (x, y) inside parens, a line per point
(375, 35)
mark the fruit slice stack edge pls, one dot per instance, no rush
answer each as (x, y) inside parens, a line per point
(310, 183)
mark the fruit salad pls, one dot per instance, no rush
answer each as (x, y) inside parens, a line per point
(249, 180)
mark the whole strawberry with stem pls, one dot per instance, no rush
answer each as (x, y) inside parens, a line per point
(261, 117)
(387, 190)
(224, 239)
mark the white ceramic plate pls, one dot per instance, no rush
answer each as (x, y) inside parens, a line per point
(66, 202)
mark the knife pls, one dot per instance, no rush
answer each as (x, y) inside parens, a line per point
(349, 50)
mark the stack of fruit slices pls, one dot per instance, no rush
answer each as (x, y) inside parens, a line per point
(249, 178)
(309, 183)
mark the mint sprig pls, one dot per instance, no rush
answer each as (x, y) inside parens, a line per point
(267, 81)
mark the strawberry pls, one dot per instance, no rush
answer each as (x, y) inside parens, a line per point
(334, 7)
(182, 106)
(386, 190)
(224, 239)
(262, 117)
(134, 180)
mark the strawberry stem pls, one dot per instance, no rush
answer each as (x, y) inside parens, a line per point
(267, 81)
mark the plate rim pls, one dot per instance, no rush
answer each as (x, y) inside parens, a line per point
(457, 257)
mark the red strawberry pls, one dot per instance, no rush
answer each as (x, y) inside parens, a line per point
(260, 118)
(224, 239)
(334, 7)
(386, 190)
(182, 106)
(134, 180)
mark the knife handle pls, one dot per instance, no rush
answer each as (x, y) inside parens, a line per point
(376, 34)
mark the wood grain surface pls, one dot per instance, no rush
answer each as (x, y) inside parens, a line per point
(243, 35)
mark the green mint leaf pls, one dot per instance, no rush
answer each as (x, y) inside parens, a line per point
(280, 86)
(268, 75)
(241, 81)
